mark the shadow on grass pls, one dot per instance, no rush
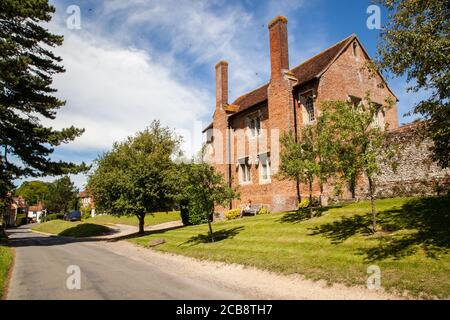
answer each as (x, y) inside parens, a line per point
(304, 214)
(218, 235)
(423, 223)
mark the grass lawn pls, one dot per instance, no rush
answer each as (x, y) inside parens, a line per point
(411, 251)
(150, 219)
(75, 229)
(6, 260)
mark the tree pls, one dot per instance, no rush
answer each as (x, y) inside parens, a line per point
(62, 195)
(33, 191)
(202, 188)
(358, 142)
(27, 66)
(136, 176)
(299, 160)
(416, 42)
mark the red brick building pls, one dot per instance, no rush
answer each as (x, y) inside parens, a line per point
(243, 138)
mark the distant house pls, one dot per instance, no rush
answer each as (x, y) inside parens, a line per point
(36, 212)
(87, 200)
(17, 206)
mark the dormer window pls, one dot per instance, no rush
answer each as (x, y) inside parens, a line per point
(307, 106)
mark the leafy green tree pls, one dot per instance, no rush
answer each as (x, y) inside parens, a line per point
(27, 65)
(62, 195)
(358, 142)
(201, 189)
(33, 191)
(416, 42)
(136, 176)
(298, 159)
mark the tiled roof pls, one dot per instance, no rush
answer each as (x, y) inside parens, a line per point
(304, 72)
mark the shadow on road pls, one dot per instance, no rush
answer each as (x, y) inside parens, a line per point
(146, 233)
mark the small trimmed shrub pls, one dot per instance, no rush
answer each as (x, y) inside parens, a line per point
(233, 214)
(53, 216)
(304, 203)
(264, 210)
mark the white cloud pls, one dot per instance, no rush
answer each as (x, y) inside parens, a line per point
(113, 92)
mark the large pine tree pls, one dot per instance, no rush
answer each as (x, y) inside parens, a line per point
(27, 66)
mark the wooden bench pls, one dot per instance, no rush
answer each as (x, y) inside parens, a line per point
(254, 209)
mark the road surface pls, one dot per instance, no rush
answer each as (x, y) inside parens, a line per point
(42, 262)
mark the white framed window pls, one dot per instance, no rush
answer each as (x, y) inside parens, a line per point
(264, 168)
(254, 125)
(307, 105)
(244, 171)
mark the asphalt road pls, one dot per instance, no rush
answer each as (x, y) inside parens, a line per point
(42, 262)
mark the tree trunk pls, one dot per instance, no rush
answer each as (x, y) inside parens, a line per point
(372, 204)
(310, 199)
(210, 230)
(321, 193)
(297, 186)
(141, 218)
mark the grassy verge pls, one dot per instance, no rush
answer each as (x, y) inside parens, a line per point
(411, 251)
(150, 219)
(72, 229)
(6, 261)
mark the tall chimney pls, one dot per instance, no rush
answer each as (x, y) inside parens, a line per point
(221, 84)
(279, 55)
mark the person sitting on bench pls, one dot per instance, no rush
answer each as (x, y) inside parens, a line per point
(246, 208)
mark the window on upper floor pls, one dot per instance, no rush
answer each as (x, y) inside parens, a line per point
(307, 106)
(254, 125)
(355, 101)
(378, 117)
(355, 49)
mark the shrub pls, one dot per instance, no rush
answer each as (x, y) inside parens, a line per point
(184, 212)
(196, 214)
(53, 216)
(233, 214)
(264, 210)
(304, 203)
(21, 219)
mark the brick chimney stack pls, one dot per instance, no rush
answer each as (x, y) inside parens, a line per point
(221, 84)
(279, 53)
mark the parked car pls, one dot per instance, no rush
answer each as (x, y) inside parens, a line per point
(73, 216)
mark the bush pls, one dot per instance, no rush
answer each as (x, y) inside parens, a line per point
(233, 214)
(53, 216)
(264, 210)
(196, 214)
(304, 203)
(21, 219)
(85, 215)
(184, 212)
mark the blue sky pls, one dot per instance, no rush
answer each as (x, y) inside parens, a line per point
(138, 60)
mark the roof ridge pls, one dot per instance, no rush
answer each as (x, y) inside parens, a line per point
(325, 50)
